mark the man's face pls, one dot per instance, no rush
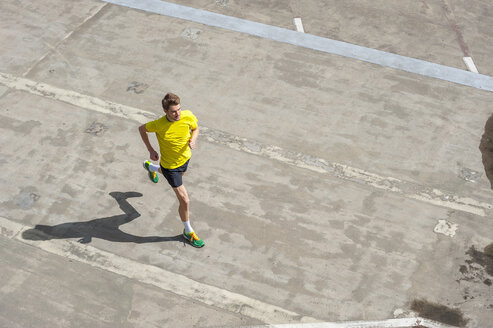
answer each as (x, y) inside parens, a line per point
(173, 113)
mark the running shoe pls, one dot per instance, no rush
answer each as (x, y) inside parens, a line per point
(194, 240)
(152, 175)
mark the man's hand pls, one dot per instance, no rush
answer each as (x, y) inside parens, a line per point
(193, 138)
(191, 143)
(153, 155)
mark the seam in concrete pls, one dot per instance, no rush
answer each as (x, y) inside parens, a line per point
(54, 48)
(407, 189)
(313, 42)
(455, 27)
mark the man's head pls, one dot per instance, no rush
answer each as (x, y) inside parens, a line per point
(172, 107)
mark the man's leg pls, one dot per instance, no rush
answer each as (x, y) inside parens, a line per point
(184, 210)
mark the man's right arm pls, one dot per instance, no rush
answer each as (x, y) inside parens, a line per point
(143, 134)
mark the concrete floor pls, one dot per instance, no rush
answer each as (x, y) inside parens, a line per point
(326, 188)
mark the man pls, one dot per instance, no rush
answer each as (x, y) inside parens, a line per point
(177, 133)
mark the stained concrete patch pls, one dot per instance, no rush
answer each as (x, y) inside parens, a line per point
(446, 228)
(475, 276)
(438, 312)
(469, 175)
(222, 3)
(191, 33)
(401, 313)
(26, 199)
(25, 127)
(97, 129)
(484, 259)
(137, 87)
(61, 139)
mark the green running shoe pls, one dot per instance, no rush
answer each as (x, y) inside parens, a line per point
(194, 240)
(152, 175)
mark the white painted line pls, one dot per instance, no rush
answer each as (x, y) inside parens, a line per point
(404, 188)
(310, 41)
(299, 25)
(75, 98)
(391, 323)
(152, 275)
(470, 64)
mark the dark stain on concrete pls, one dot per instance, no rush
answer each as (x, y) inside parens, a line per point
(61, 139)
(26, 199)
(96, 129)
(484, 259)
(438, 312)
(469, 175)
(297, 73)
(18, 126)
(137, 87)
(478, 267)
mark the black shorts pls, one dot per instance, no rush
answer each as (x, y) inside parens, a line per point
(174, 176)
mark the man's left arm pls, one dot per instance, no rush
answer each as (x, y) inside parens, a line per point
(193, 138)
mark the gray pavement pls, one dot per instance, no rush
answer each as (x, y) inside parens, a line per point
(44, 290)
(326, 189)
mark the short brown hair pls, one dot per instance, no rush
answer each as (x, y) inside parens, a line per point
(170, 100)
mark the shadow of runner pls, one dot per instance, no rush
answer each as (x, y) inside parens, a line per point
(486, 148)
(103, 228)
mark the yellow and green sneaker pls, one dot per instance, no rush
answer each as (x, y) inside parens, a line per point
(194, 240)
(152, 175)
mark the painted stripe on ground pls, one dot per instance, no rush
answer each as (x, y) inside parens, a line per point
(470, 64)
(299, 25)
(152, 275)
(390, 323)
(300, 160)
(310, 41)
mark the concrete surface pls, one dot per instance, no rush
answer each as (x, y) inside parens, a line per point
(396, 224)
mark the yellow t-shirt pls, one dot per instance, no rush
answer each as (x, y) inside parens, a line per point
(173, 138)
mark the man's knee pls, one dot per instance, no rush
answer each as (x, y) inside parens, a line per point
(185, 201)
(182, 195)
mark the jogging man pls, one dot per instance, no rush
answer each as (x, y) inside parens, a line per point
(177, 133)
